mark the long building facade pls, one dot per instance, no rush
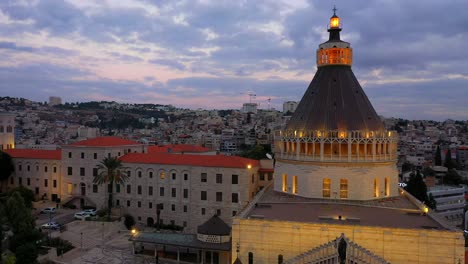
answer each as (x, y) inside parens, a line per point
(189, 188)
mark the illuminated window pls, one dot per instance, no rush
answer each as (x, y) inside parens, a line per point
(294, 190)
(326, 188)
(70, 188)
(162, 175)
(285, 182)
(387, 187)
(343, 188)
(376, 187)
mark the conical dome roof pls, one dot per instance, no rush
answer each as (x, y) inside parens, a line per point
(214, 226)
(335, 101)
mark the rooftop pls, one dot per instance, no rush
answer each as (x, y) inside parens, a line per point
(190, 160)
(35, 153)
(105, 142)
(177, 239)
(178, 148)
(395, 212)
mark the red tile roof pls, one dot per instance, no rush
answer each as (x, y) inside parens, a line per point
(35, 153)
(190, 160)
(177, 148)
(105, 142)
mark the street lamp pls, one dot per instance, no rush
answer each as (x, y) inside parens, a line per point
(81, 240)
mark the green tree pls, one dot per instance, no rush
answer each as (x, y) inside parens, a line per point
(6, 168)
(438, 157)
(431, 202)
(18, 215)
(257, 152)
(27, 194)
(417, 187)
(26, 254)
(452, 177)
(448, 162)
(111, 171)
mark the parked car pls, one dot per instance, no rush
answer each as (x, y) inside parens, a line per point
(49, 210)
(51, 225)
(91, 212)
(82, 216)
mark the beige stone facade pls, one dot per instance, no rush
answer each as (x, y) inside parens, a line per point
(190, 194)
(267, 239)
(364, 181)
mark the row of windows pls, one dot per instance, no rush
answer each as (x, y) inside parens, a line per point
(203, 195)
(173, 207)
(162, 175)
(95, 155)
(28, 168)
(28, 182)
(9, 129)
(251, 257)
(285, 184)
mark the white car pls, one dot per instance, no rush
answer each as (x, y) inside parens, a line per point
(82, 216)
(51, 225)
(91, 212)
(49, 210)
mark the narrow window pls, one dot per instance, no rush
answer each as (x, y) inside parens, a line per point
(20, 167)
(95, 155)
(250, 258)
(161, 191)
(387, 186)
(203, 177)
(235, 198)
(173, 207)
(139, 174)
(46, 182)
(82, 155)
(95, 172)
(28, 181)
(45, 169)
(185, 176)
(54, 183)
(173, 176)
(139, 189)
(95, 188)
(162, 175)
(219, 196)
(185, 193)
(55, 169)
(343, 188)
(139, 204)
(117, 188)
(219, 178)
(82, 171)
(280, 259)
(203, 195)
(150, 190)
(294, 190)
(129, 188)
(69, 170)
(69, 155)
(326, 188)
(235, 179)
(174, 192)
(376, 187)
(151, 175)
(185, 208)
(285, 182)
(203, 211)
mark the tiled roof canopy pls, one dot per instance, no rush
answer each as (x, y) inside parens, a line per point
(35, 153)
(335, 101)
(105, 142)
(214, 226)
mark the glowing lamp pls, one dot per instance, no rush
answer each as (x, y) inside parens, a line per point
(426, 210)
(249, 166)
(334, 21)
(134, 231)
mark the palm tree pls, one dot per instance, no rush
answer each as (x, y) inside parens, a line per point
(110, 172)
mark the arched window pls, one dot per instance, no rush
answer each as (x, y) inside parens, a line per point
(250, 258)
(162, 175)
(387, 186)
(326, 188)
(343, 188)
(376, 187)
(9, 129)
(285, 182)
(280, 259)
(294, 187)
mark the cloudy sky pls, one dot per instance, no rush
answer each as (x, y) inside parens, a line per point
(410, 56)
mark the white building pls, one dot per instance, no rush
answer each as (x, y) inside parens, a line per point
(191, 187)
(249, 108)
(55, 100)
(450, 202)
(289, 106)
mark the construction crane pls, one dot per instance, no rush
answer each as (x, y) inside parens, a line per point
(250, 94)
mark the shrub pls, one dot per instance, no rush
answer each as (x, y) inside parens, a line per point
(101, 212)
(129, 221)
(69, 206)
